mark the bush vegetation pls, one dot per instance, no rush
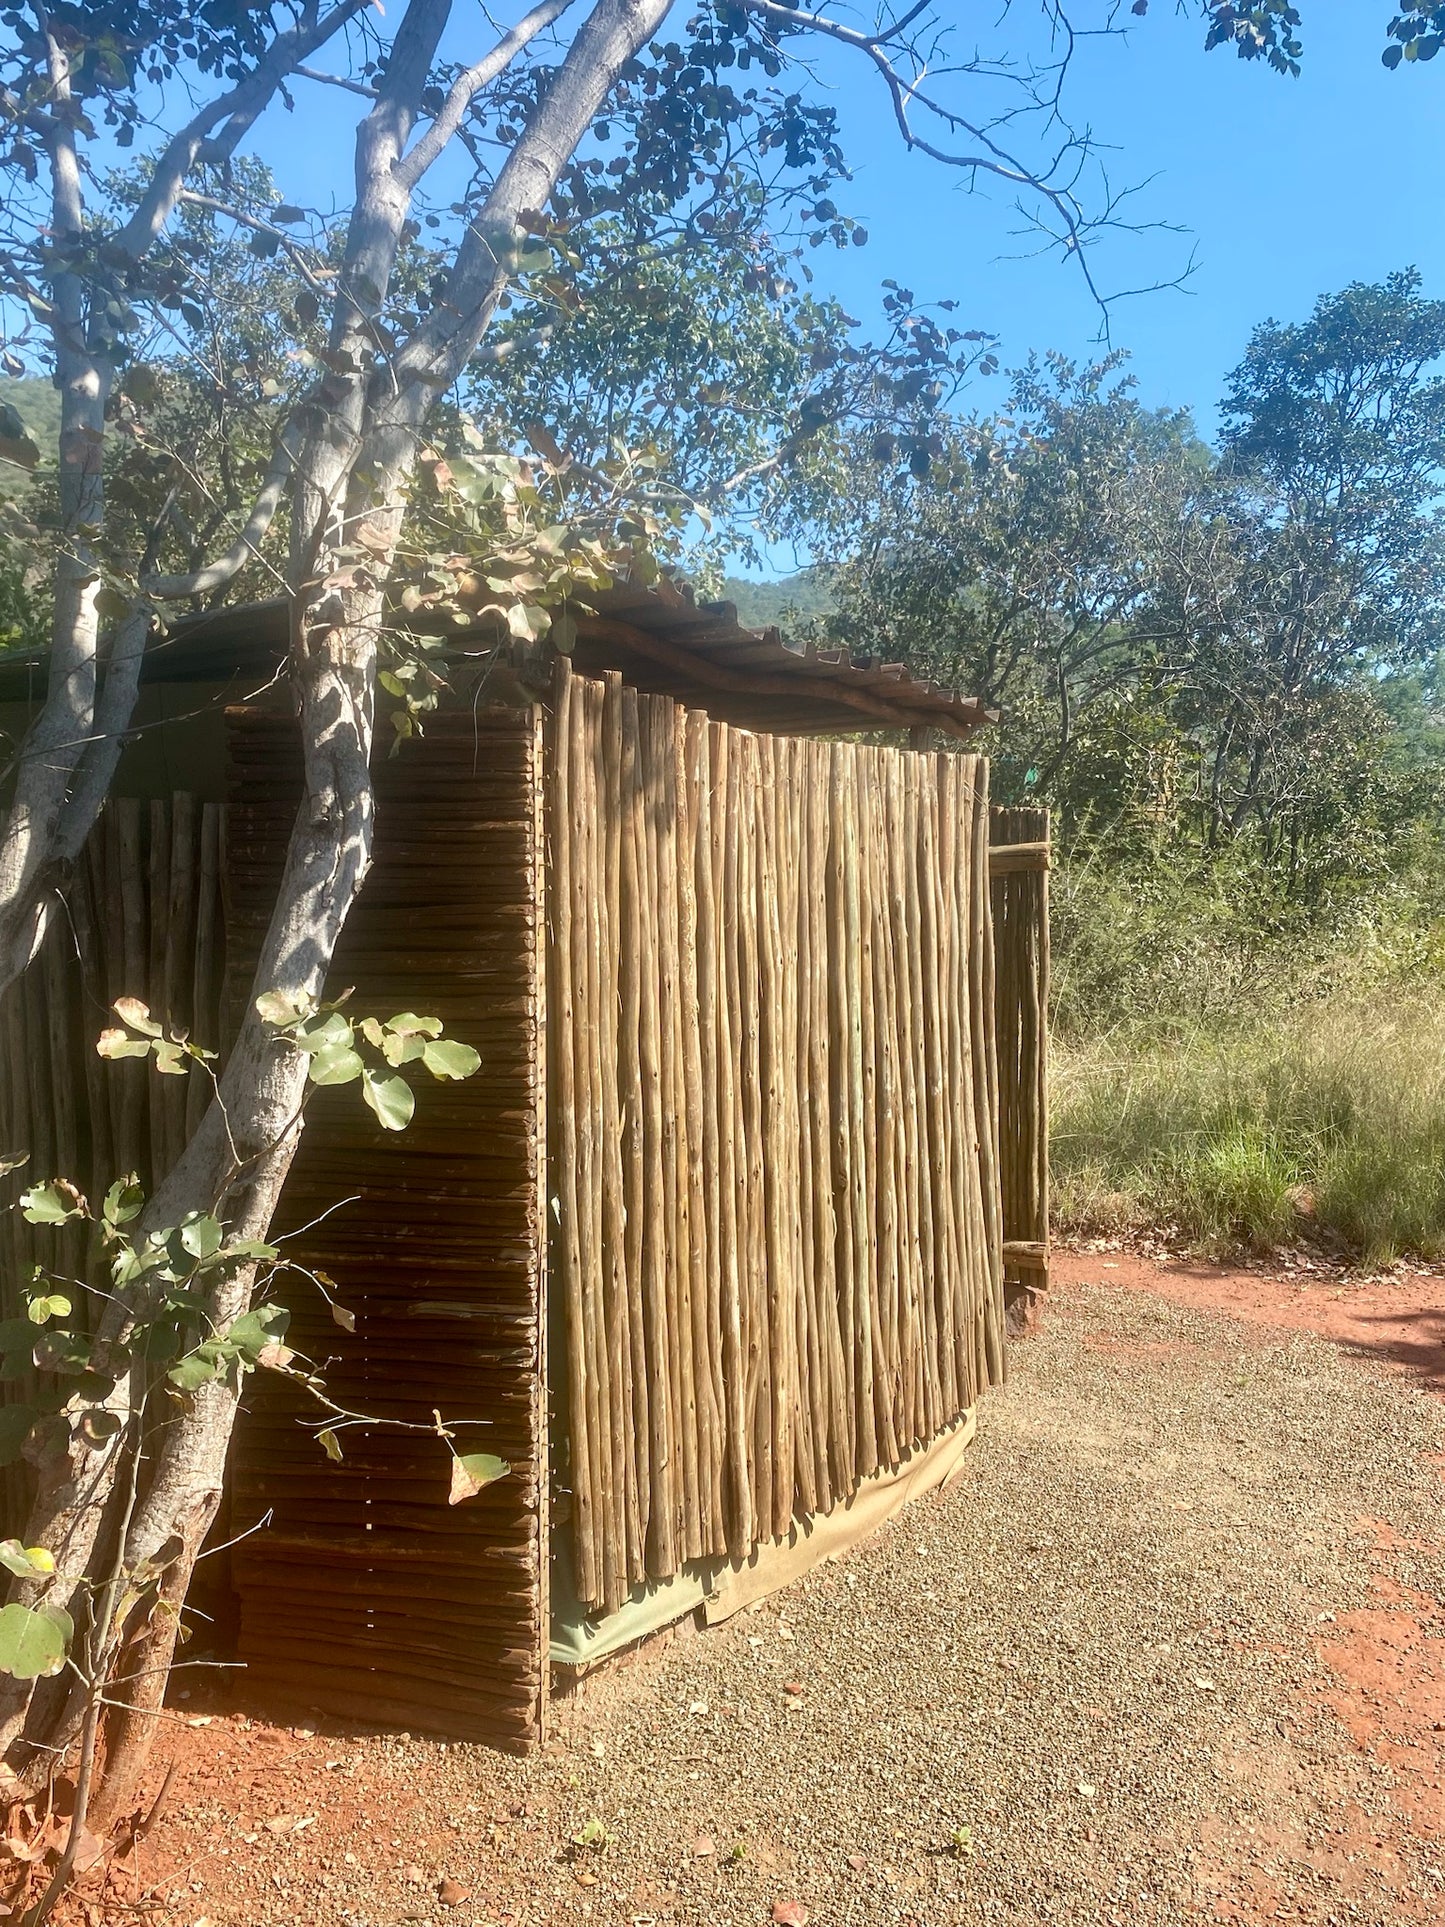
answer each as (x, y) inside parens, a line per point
(1224, 1080)
(1220, 667)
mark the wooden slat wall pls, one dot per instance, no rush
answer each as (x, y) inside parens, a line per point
(774, 1107)
(1020, 889)
(369, 1595)
(141, 917)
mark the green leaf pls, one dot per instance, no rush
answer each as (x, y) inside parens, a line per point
(61, 1351)
(199, 1367)
(201, 1235)
(120, 1043)
(275, 1007)
(171, 1059)
(16, 444)
(402, 1050)
(34, 1640)
(408, 1024)
(391, 1099)
(26, 1562)
(50, 1204)
(471, 1471)
(98, 1427)
(564, 633)
(133, 1012)
(253, 1248)
(527, 621)
(333, 1029)
(253, 1331)
(41, 1310)
(336, 1064)
(124, 1200)
(450, 1060)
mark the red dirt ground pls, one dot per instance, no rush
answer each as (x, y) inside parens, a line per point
(362, 1803)
(1396, 1321)
(1384, 1684)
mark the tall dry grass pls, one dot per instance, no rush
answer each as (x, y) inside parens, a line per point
(1246, 1127)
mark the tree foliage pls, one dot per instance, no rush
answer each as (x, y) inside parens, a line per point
(1220, 647)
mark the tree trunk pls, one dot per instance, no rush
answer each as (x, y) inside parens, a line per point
(233, 1166)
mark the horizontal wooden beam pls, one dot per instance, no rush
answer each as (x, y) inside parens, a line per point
(1006, 859)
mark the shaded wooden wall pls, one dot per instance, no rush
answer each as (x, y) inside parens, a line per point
(369, 1595)
(142, 917)
(775, 1125)
(1020, 891)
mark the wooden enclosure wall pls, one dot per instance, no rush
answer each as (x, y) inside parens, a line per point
(142, 917)
(774, 1109)
(369, 1595)
(1020, 890)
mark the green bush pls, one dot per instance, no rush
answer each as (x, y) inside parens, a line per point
(1232, 1071)
(1325, 1118)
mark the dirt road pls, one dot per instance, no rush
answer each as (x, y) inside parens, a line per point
(1171, 1650)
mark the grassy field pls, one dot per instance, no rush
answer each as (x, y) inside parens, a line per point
(1326, 1120)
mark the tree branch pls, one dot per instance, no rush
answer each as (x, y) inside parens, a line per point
(215, 575)
(468, 84)
(234, 112)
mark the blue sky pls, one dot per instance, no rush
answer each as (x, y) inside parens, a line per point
(1287, 188)
(1283, 189)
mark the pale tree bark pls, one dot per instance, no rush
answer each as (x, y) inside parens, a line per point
(355, 451)
(65, 764)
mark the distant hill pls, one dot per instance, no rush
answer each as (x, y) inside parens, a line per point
(38, 405)
(761, 605)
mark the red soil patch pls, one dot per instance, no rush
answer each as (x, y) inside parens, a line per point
(277, 1823)
(1385, 1663)
(1398, 1322)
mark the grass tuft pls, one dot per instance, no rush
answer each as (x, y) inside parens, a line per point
(1248, 1130)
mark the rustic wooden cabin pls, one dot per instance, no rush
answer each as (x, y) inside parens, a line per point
(719, 1245)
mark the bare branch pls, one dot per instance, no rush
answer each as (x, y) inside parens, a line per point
(468, 84)
(295, 253)
(336, 80)
(171, 588)
(990, 158)
(233, 113)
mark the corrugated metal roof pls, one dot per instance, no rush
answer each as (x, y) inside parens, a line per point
(660, 639)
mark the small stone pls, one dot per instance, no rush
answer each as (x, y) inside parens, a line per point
(451, 1893)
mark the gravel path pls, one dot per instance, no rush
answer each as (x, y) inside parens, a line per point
(1135, 1666)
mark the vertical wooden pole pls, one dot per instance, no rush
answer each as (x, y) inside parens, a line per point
(632, 902)
(567, 1266)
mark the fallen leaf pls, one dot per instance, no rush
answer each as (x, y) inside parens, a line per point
(286, 1823)
(451, 1893)
(89, 1850)
(201, 1719)
(857, 1861)
(703, 1847)
(790, 1913)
